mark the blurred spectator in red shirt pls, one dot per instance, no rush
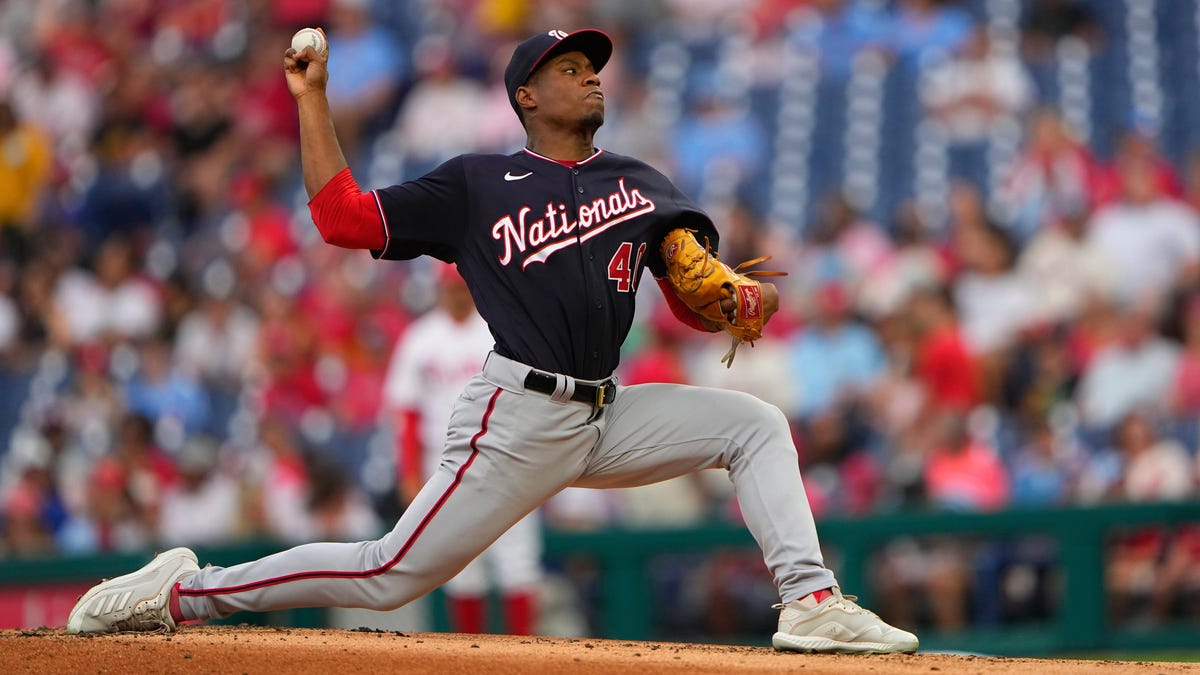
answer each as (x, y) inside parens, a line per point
(266, 224)
(67, 32)
(942, 362)
(1185, 389)
(264, 118)
(294, 14)
(963, 473)
(287, 352)
(1139, 147)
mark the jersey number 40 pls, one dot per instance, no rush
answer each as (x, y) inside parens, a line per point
(623, 265)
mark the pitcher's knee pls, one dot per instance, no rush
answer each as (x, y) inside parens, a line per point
(394, 583)
(764, 417)
(395, 589)
(758, 423)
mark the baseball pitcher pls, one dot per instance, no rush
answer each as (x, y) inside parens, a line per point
(552, 241)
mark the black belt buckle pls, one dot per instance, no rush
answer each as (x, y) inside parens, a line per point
(598, 395)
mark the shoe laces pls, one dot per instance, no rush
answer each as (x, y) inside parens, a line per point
(848, 603)
(148, 620)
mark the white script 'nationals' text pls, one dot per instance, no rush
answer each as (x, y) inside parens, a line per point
(554, 231)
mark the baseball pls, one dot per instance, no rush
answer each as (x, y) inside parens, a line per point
(310, 37)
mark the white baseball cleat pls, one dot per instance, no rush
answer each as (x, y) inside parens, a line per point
(838, 626)
(135, 602)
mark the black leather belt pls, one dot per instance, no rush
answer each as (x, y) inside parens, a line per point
(598, 395)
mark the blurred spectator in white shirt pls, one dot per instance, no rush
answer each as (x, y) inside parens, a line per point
(217, 344)
(497, 127)
(217, 341)
(977, 87)
(1133, 372)
(1066, 267)
(440, 116)
(1153, 240)
(204, 507)
(61, 101)
(115, 303)
(1154, 468)
(1157, 468)
(994, 302)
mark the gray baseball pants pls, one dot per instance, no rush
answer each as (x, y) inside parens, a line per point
(509, 450)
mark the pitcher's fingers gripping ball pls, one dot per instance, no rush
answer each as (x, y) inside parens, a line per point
(703, 282)
(310, 37)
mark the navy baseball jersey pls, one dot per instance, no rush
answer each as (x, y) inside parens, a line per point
(532, 236)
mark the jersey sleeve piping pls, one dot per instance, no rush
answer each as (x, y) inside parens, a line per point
(387, 230)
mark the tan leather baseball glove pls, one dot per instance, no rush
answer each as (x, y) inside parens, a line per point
(702, 281)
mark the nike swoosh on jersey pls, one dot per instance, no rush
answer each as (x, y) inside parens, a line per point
(509, 177)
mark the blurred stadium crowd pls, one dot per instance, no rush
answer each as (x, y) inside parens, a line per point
(988, 210)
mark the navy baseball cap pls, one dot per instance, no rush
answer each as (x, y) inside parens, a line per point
(532, 53)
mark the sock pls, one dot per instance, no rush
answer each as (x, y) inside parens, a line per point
(520, 612)
(173, 605)
(821, 595)
(467, 613)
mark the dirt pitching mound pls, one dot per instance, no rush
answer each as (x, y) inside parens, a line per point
(245, 649)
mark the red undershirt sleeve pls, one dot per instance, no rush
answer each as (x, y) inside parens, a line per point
(679, 308)
(346, 216)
